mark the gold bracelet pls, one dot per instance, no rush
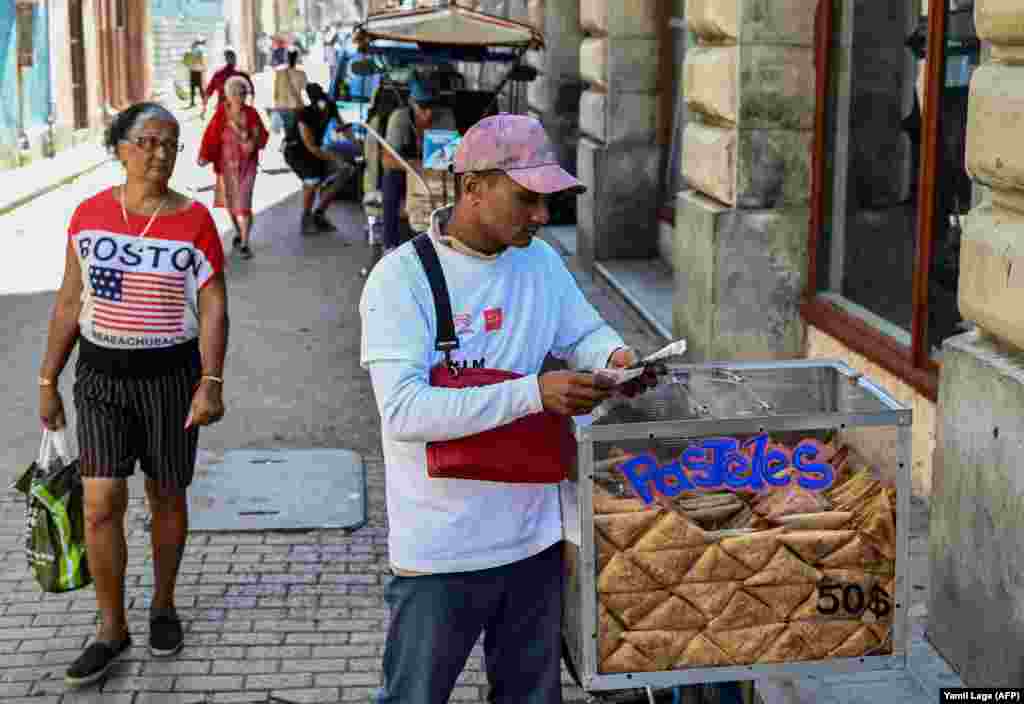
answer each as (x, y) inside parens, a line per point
(43, 381)
(218, 379)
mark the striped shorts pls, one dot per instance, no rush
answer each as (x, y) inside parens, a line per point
(124, 419)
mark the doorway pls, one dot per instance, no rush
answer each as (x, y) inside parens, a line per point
(79, 89)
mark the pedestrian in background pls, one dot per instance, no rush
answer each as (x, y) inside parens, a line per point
(263, 48)
(480, 556)
(405, 131)
(278, 52)
(195, 61)
(232, 143)
(315, 166)
(289, 88)
(144, 298)
(220, 78)
(333, 40)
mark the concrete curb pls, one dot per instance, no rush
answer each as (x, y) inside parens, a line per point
(68, 157)
(23, 199)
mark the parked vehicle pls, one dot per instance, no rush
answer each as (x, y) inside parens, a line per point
(382, 54)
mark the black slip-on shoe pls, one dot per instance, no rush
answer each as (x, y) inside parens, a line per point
(321, 222)
(95, 661)
(166, 637)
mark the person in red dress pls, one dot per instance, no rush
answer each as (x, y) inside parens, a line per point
(232, 143)
(220, 79)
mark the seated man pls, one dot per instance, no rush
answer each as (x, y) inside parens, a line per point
(405, 134)
(318, 168)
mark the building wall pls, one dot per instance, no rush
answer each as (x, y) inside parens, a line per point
(125, 63)
(175, 25)
(243, 26)
(741, 231)
(24, 91)
(977, 558)
(8, 85)
(35, 79)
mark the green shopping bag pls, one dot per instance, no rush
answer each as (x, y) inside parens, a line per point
(55, 517)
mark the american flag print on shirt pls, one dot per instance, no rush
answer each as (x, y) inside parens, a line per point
(138, 302)
(142, 292)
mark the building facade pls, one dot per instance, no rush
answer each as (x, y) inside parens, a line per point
(175, 24)
(66, 66)
(826, 178)
(26, 99)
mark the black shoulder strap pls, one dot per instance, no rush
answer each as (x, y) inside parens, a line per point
(446, 338)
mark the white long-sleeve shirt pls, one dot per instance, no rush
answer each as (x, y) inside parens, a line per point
(509, 312)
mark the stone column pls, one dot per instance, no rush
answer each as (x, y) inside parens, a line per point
(741, 231)
(60, 58)
(976, 608)
(617, 157)
(554, 96)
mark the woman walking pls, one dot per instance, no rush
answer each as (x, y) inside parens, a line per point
(144, 298)
(232, 143)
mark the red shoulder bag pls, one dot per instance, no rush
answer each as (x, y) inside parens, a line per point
(536, 449)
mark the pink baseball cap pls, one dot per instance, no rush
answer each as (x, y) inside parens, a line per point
(518, 146)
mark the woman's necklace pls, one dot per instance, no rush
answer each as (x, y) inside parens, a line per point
(124, 211)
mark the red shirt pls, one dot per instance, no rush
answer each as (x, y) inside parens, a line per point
(221, 77)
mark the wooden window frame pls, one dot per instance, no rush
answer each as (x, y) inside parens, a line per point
(912, 364)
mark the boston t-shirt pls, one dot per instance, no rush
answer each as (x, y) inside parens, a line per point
(140, 294)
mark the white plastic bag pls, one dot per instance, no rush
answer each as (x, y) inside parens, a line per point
(54, 446)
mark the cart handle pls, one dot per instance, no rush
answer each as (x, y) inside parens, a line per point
(398, 157)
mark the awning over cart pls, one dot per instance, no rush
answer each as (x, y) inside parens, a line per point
(450, 26)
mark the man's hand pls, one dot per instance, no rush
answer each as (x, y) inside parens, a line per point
(622, 358)
(571, 393)
(625, 357)
(207, 405)
(51, 408)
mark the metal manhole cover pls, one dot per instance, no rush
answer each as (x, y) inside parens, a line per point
(279, 490)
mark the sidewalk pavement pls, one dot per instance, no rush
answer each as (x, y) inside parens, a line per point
(24, 184)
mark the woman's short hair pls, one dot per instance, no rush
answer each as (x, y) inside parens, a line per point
(136, 116)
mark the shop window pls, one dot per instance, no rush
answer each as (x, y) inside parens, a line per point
(890, 179)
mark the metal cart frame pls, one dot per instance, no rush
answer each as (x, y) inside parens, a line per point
(580, 621)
